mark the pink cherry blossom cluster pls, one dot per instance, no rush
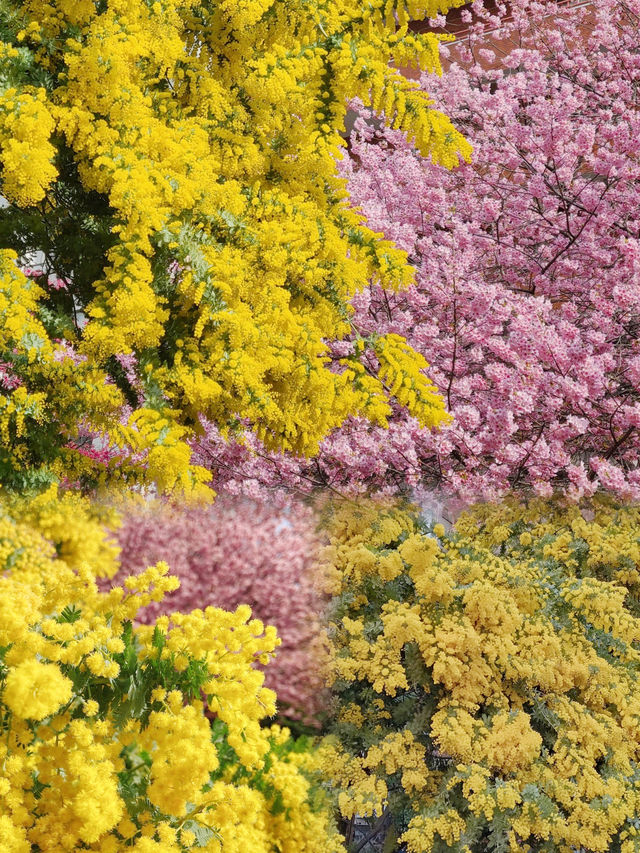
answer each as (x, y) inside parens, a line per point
(526, 301)
(53, 282)
(239, 552)
(8, 379)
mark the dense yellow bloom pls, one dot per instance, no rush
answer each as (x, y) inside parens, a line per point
(601, 538)
(26, 125)
(75, 525)
(504, 669)
(183, 757)
(177, 169)
(104, 741)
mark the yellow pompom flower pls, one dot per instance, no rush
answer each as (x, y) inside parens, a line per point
(35, 690)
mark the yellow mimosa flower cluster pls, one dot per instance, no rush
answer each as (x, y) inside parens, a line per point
(490, 679)
(601, 538)
(76, 526)
(55, 396)
(105, 742)
(27, 153)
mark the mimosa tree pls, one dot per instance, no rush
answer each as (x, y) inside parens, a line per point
(170, 175)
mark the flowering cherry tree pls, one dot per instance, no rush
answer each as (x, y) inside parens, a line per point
(527, 294)
(238, 552)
